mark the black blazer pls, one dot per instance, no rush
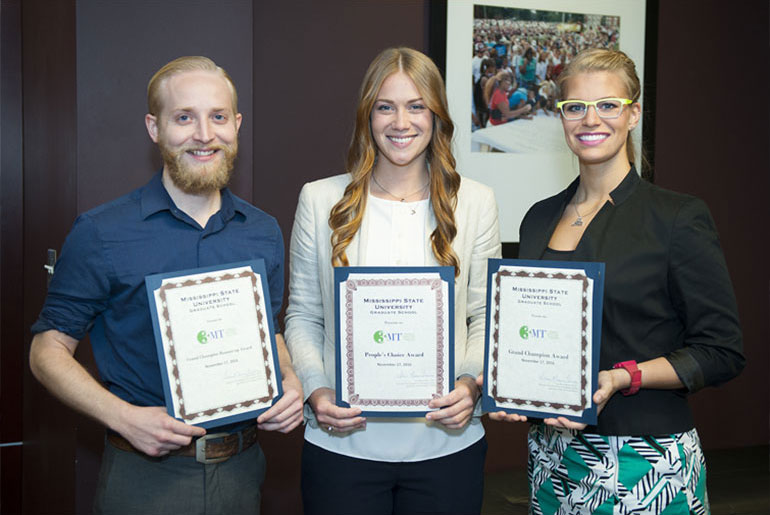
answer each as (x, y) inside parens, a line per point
(667, 293)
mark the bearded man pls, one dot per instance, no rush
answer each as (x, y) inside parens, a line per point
(184, 218)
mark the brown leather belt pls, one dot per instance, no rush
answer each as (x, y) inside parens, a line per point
(209, 448)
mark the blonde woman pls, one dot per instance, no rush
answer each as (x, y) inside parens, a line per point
(401, 202)
(669, 325)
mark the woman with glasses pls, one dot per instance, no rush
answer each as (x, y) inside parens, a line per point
(401, 202)
(669, 326)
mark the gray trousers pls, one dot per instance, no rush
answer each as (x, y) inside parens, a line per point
(136, 484)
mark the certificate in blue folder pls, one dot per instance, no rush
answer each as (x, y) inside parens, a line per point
(216, 343)
(394, 338)
(544, 326)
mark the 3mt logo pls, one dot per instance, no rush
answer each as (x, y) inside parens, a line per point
(391, 337)
(526, 332)
(208, 336)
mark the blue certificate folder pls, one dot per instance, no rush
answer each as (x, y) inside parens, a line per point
(380, 408)
(533, 338)
(154, 282)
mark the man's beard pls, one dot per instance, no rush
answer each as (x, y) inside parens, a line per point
(198, 178)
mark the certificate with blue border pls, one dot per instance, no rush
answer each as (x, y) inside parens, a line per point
(216, 343)
(544, 323)
(394, 338)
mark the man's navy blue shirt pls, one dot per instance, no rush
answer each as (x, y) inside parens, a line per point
(98, 285)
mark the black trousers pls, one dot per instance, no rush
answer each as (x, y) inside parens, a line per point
(334, 484)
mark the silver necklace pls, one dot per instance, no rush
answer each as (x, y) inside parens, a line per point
(400, 199)
(579, 221)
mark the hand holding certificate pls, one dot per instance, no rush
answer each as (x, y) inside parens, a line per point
(216, 344)
(395, 346)
(543, 338)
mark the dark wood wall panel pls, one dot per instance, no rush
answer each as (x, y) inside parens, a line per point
(11, 256)
(309, 60)
(50, 193)
(119, 47)
(713, 146)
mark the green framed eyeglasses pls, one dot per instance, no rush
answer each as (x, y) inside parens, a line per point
(606, 108)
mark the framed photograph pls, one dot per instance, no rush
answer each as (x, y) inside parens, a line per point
(524, 159)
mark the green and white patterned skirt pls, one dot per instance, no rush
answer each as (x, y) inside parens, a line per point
(571, 472)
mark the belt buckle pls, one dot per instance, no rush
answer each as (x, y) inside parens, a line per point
(200, 449)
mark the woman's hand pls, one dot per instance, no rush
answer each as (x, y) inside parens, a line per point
(610, 382)
(332, 417)
(500, 416)
(286, 414)
(457, 406)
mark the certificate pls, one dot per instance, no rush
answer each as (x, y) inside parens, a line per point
(215, 341)
(543, 338)
(395, 338)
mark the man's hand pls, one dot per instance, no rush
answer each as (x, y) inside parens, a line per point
(152, 431)
(286, 414)
(148, 429)
(457, 406)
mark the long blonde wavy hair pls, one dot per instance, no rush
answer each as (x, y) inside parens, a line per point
(346, 216)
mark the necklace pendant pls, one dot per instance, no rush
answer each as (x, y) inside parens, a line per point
(578, 222)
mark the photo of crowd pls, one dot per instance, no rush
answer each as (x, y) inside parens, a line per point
(517, 56)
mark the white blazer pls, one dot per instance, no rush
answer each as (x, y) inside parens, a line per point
(310, 315)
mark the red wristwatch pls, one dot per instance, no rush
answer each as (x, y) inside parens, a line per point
(636, 376)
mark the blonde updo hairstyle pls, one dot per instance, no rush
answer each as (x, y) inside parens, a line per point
(605, 60)
(346, 216)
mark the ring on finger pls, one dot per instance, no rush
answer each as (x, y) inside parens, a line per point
(331, 429)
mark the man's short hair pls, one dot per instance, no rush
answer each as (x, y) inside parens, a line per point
(181, 65)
